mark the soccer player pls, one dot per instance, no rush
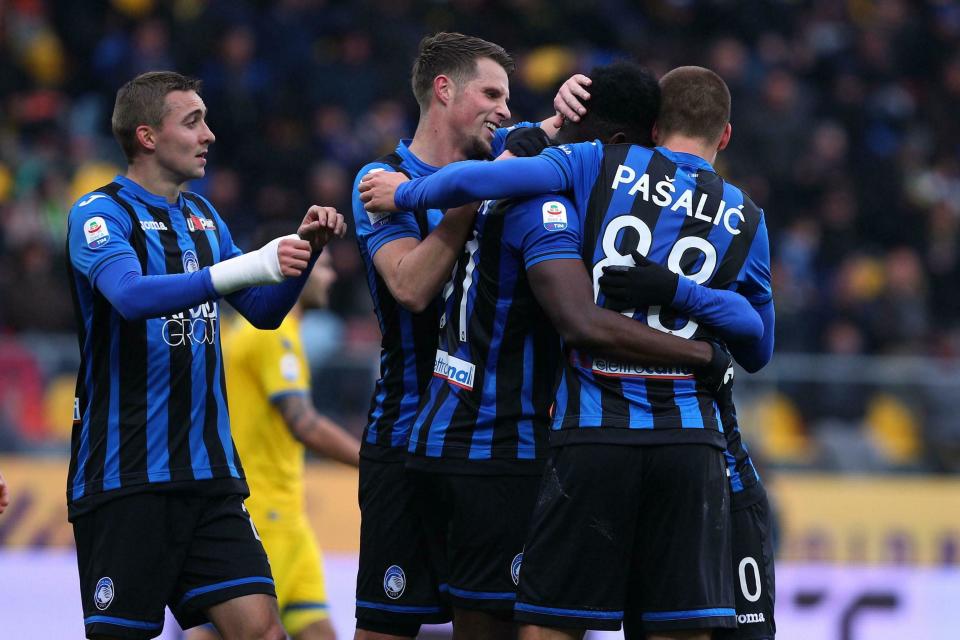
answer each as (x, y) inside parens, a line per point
(461, 85)
(670, 206)
(273, 421)
(155, 488)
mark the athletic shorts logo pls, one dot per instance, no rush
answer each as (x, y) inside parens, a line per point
(515, 568)
(750, 618)
(456, 371)
(103, 594)
(554, 216)
(96, 233)
(394, 582)
(190, 261)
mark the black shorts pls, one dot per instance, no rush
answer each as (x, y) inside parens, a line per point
(398, 582)
(636, 531)
(480, 524)
(144, 551)
(755, 586)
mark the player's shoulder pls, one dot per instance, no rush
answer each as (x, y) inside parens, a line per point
(751, 210)
(100, 200)
(542, 213)
(385, 163)
(100, 215)
(201, 201)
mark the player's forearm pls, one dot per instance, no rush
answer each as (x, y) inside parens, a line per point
(605, 333)
(727, 313)
(266, 306)
(421, 273)
(328, 439)
(755, 355)
(136, 296)
(462, 182)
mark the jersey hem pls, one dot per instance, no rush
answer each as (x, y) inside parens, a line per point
(621, 435)
(468, 467)
(210, 487)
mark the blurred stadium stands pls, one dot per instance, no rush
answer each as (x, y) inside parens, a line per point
(846, 131)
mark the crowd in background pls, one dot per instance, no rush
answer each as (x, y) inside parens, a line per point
(845, 129)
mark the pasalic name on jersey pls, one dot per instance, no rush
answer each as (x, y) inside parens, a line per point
(664, 191)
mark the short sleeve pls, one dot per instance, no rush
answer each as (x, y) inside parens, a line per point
(753, 281)
(580, 165)
(98, 232)
(283, 368)
(377, 229)
(543, 228)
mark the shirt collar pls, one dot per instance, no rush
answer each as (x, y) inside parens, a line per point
(412, 163)
(686, 159)
(147, 197)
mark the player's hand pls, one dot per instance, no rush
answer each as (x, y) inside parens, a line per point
(293, 255)
(4, 494)
(648, 283)
(717, 375)
(526, 142)
(378, 188)
(320, 225)
(571, 98)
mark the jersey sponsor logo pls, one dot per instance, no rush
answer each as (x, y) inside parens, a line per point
(394, 582)
(290, 367)
(554, 216)
(95, 196)
(515, 568)
(750, 618)
(190, 261)
(96, 233)
(664, 192)
(152, 225)
(196, 326)
(604, 367)
(456, 371)
(196, 223)
(103, 593)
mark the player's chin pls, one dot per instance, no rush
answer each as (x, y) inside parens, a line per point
(479, 149)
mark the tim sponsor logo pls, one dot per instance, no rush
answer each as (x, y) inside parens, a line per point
(454, 370)
(605, 367)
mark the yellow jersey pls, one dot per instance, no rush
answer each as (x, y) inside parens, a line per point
(262, 366)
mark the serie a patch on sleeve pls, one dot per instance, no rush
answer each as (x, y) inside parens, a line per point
(96, 233)
(554, 216)
(290, 367)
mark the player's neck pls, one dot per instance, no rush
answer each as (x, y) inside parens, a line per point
(432, 143)
(156, 181)
(693, 146)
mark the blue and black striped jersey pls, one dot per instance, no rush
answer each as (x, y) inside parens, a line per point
(409, 340)
(150, 409)
(674, 209)
(487, 408)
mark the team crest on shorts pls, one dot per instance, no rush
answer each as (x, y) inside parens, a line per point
(394, 582)
(515, 568)
(103, 594)
(554, 216)
(190, 261)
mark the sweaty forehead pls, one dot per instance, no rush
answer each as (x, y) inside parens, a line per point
(180, 103)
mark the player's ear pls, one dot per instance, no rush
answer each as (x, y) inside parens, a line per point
(443, 89)
(146, 137)
(725, 137)
(618, 138)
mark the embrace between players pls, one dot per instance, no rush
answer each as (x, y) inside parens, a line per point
(531, 458)
(535, 462)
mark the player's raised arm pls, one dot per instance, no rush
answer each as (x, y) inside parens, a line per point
(463, 182)
(4, 494)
